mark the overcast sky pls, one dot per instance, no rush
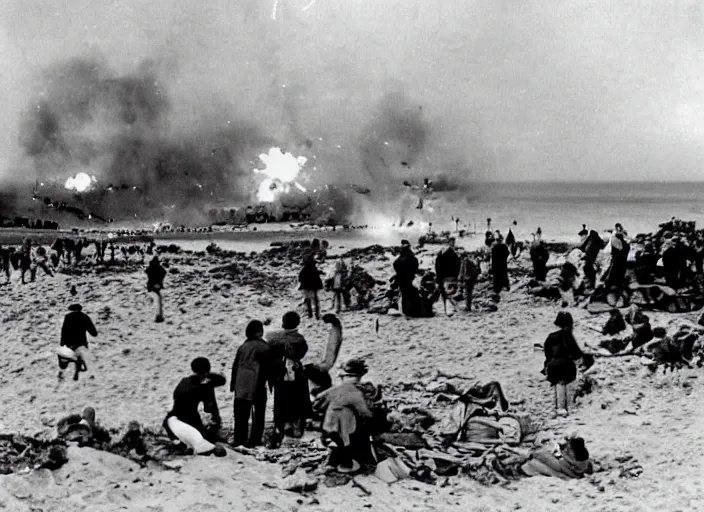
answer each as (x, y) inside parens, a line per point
(510, 90)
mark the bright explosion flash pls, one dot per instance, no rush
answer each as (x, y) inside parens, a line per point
(281, 170)
(81, 182)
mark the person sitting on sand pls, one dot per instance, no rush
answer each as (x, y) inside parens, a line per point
(499, 265)
(81, 428)
(346, 412)
(183, 422)
(252, 369)
(74, 343)
(291, 397)
(310, 285)
(572, 462)
(155, 283)
(469, 273)
(561, 352)
(40, 260)
(447, 268)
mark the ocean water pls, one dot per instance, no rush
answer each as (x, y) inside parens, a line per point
(559, 209)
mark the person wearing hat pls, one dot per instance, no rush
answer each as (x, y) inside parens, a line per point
(183, 422)
(499, 264)
(561, 352)
(406, 268)
(346, 410)
(74, 342)
(155, 283)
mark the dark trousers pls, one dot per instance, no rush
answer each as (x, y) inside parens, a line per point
(540, 270)
(244, 409)
(590, 273)
(468, 292)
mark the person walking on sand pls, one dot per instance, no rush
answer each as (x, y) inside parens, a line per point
(74, 342)
(183, 422)
(155, 283)
(447, 268)
(310, 285)
(291, 397)
(252, 369)
(561, 352)
(469, 273)
(499, 264)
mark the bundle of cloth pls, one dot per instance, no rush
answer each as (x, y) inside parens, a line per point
(570, 461)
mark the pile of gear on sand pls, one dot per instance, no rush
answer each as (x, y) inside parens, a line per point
(433, 431)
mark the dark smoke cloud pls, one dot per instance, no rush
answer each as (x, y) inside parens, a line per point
(89, 119)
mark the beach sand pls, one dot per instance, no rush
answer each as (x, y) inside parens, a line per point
(135, 364)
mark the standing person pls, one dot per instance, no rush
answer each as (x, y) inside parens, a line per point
(69, 246)
(73, 337)
(291, 398)
(26, 259)
(58, 251)
(561, 352)
(447, 268)
(619, 260)
(406, 267)
(511, 242)
(155, 283)
(499, 265)
(310, 285)
(252, 369)
(592, 244)
(469, 273)
(539, 255)
(183, 422)
(5, 262)
(340, 284)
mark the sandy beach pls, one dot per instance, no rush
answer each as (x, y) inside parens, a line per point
(632, 419)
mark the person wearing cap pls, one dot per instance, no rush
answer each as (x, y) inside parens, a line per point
(406, 268)
(499, 264)
(74, 342)
(252, 369)
(561, 352)
(291, 395)
(155, 283)
(183, 422)
(346, 410)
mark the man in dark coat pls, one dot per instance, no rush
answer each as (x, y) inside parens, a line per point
(155, 283)
(291, 395)
(619, 261)
(183, 422)
(73, 336)
(539, 255)
(499, 265)
(253, 367)
(591, 245)
(5, 262)
(310, 285)
(447, 268)
(406, 267)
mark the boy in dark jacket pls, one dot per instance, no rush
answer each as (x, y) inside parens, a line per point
(253, 367)
(183, 422)
(73, 336)
(310, 284)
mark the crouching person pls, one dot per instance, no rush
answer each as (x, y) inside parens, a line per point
(348, 414)
(183, 422)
